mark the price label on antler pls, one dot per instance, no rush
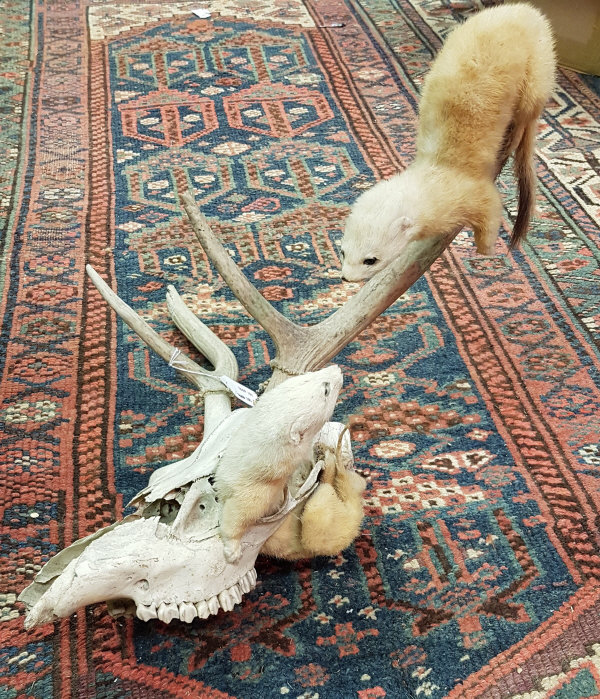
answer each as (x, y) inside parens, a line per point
(245, 394)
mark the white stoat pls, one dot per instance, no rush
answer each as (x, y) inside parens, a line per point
(276, 437)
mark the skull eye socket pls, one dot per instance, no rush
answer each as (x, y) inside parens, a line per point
(370, 261)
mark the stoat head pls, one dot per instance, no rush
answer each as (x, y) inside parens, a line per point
(301, 405)
(377, 228)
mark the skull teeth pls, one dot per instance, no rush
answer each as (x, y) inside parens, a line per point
(248, 581)
(213, 605)
(236, 594)
(188, 611)
(203, 610)
(167, 611)
(146, 612)
(226, 600)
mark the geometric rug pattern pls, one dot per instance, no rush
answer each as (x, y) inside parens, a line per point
(473, 401)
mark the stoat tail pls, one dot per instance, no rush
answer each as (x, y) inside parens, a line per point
(524, 158)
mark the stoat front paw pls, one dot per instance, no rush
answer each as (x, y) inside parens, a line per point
(232, 548)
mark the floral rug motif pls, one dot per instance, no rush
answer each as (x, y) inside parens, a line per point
(473, 402)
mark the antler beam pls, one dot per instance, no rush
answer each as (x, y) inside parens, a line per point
(300, 348)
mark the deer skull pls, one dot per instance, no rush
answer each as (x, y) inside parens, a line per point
(166, 560)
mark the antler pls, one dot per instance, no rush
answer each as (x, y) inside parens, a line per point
(305, 348)
(217, 403)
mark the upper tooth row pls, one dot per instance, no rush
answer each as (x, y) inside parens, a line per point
(188, 611)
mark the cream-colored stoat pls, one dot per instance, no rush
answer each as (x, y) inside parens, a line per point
(480, 103)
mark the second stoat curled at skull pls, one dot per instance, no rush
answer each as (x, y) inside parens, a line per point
(277, 436)
(328, 521)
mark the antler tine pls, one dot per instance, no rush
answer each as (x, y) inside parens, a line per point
(216, 404)
(275, 324)
(201, 336)
(306, 348)
(187, 366)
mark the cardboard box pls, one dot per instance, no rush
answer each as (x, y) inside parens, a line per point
(576, 25)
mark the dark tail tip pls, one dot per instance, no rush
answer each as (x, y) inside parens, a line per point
(524, 212)
(526, 177)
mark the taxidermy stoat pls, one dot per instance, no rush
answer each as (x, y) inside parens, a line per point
(276, 437)
(480, 103)
(328, 521)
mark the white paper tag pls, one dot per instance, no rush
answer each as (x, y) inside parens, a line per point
(202, 13)
(245, 394)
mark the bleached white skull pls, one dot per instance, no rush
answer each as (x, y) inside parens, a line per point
(166, 561)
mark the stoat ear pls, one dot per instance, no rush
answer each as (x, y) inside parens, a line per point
(298, 430)
(296, 436)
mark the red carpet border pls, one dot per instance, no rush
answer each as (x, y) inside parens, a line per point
(473, 402)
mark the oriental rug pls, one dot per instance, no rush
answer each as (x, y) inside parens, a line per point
(473, 402)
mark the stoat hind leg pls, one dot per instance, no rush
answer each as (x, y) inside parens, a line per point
(285, 542)
(327, 522)
(242, 510)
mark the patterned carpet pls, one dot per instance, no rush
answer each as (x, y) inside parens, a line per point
(473, 402)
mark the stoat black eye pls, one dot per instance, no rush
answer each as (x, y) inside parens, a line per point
(342, 255)
(369, 261)
(326, 388)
